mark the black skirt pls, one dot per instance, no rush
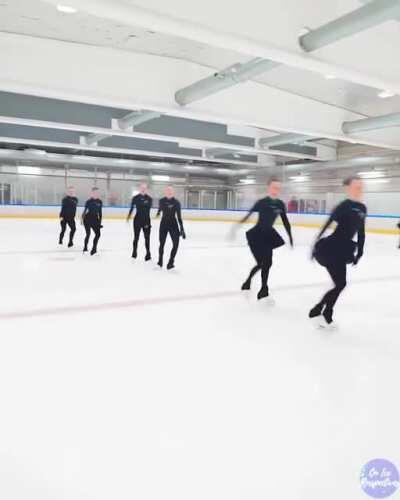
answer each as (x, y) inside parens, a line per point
(262, 241)
(331, 249)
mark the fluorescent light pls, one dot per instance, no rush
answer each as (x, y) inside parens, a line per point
(299, 178)
(377, 181)
(330, 77)
(247, 181)
(236, 155)
(23, 170)
(386, 93)
(161, 178)
(35, 151)
(371, 174)
(67, 9)
(82, 158)
(159, 163)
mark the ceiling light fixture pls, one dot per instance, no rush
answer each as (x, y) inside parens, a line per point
(82, 158)
(371, 174)
(66, 9)
(26, 170)
(247, 181)
(35, 151)
(330, 77)
(160, 178)
(378, 181)
(299, 178)
(384, 94)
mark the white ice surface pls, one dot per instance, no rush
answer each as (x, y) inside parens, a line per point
(121, 382)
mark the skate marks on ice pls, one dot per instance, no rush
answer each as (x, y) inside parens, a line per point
(134, 303)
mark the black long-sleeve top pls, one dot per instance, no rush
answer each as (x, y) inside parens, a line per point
(143, 204)
(68, 207)
(93, 210)
(268, 210)
(350, 218)
(171, 211)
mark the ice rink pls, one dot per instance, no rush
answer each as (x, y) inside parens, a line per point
(119, 381)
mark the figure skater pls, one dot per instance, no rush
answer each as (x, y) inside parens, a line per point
(337, 250)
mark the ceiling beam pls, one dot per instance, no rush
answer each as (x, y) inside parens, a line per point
(112, 163)
(127, 123)
(132, 15)
(374, 123)
(169, 157)
(135, 118)
(155, 137)
(278, 140)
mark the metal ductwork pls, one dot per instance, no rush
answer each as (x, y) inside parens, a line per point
(228, 77)
(367, 16)
(278, 140)
(128, 122)
(92, 139)
(136, 118)
(375, 123)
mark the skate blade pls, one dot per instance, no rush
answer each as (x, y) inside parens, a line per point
(246, 294)
(267, 301)
(323, 326)
(173, 271)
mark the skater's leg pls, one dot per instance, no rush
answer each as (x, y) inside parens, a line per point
(174, 233)
(265, 267)
(247, 284)
(337, 272)
(97, 234)
(87, 237)
(72, 226)
(146, 232)
(163, 237)
(136, 235)
(63, 225)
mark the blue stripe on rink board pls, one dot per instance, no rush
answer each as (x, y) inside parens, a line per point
(119, 207)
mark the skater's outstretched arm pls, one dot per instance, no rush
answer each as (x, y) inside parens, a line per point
(360, 243)
(286, 223)
(332, 218)
(101, 213)
(131, 209)
(85, 211)
(63, 206)
(159, 208)
(253, 209)
(179, 217)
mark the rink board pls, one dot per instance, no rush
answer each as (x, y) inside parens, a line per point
(380, 224)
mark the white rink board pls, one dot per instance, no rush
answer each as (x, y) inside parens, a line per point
(379, 223)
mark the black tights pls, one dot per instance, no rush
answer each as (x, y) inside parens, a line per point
(263, 265)
(173, 231)
(72, 226)
(96, 229)
(137, 227)
(337, 271)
